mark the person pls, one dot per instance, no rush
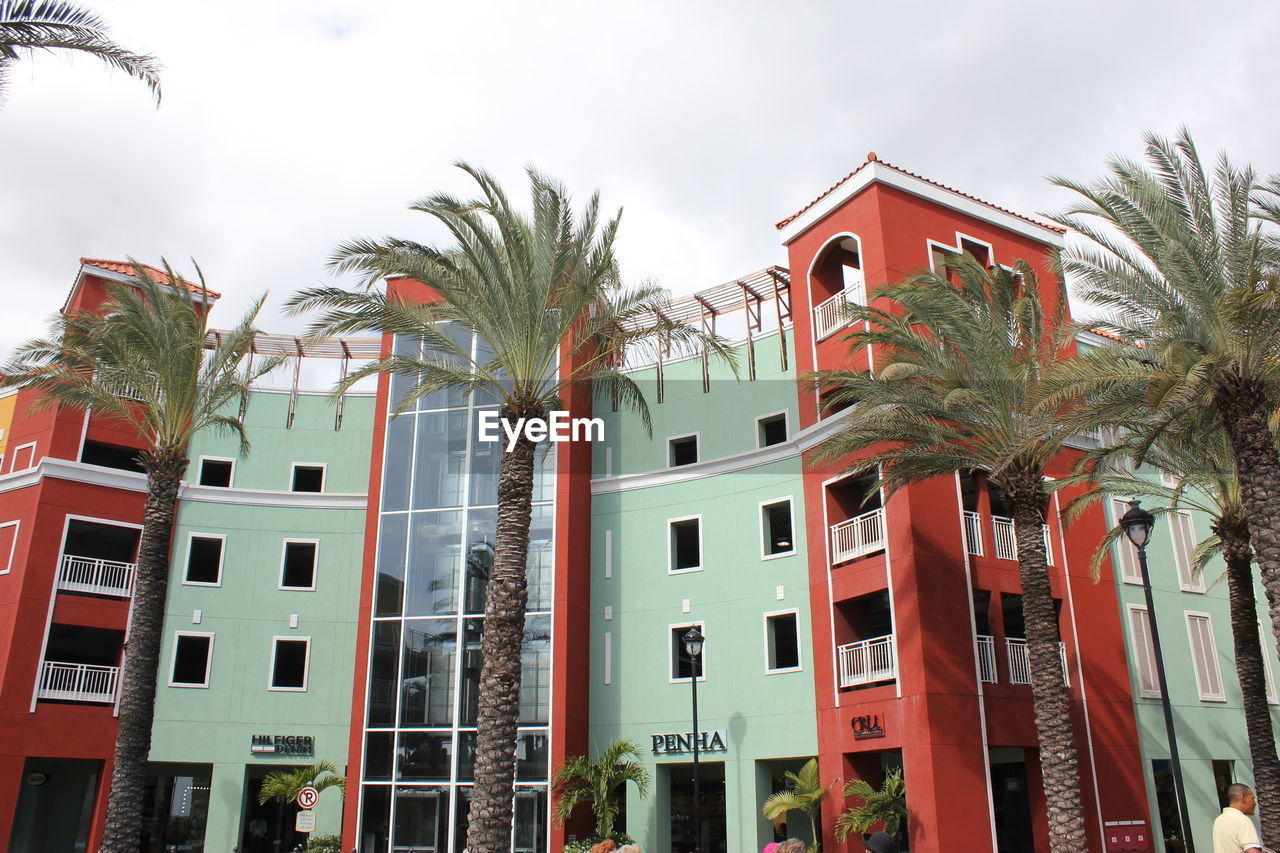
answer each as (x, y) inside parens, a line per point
(770, 847)
(880, 842)
(791, 845)
(604, 846)
(629, 848)
(1233, 832)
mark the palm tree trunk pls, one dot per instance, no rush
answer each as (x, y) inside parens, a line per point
(507, 594)
(1059, 763)
(123, 830)
(1250, 669)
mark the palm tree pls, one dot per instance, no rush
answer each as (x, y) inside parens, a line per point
(283, 785)
(805, 793)
(30, 25)
(542, 291)
(596, 781)
(957, 386)
(886, 805)
(141, 360)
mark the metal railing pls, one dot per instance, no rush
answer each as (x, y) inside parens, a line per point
(1007, 539)
(987, 659)
(78, 682)
(830, 314)
(857, 537)
(973, 533)
(867, 661)
(97, 577)
(1020, 664)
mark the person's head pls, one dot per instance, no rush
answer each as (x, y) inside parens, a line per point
(604, 846)
(791, 845)
(771, 847)
(880, 842)
(629, 848)
(1241, 797)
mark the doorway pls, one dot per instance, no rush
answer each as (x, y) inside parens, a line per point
(1012, 805)
(268, 827)
(55, 806)
(711, 807)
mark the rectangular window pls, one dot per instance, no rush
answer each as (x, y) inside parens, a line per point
(289, 658)
(1144, 654)
(1126, 553)
(298, 566)
(308, 478)
(9, 545)
(682, 450)
(685, 544)
(775, 529)
(771, 429)
(192, 656)
(782, 640)
(216, 472)
(684, 666)
(204, 559)
(1204, 656)
(1184, 544)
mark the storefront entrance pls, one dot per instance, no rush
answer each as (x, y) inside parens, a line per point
(1012, 804)
(268, 827)
(711, 807)
(55, 806)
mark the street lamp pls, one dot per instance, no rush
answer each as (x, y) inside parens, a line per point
(1138, 524)
(693, 641)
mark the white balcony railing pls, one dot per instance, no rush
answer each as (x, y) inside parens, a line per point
(97, 577)
(831, 314)
(1020, 664)
(867, 661)
(987, 659)
(857, 537)
(1007, 539)
(78, 682)
(973, 533)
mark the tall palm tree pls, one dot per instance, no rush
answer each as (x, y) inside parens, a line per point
(27, 26)
(542, 291)
(283, 786)
(596, 781)
(141, 360)
(805, 793)
(957, 385)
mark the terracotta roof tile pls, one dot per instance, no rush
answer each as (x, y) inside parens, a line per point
(126, 268)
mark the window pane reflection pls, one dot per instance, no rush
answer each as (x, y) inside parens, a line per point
(390, 582)
(422, 818)
(440, 459)
(395, 481)
(384, 672)
(426, 685)
(535, 671)
(435, 554)
(423, 757)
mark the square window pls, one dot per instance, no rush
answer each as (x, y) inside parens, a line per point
(771, 429)
(204, 560)
(682, 451)
(775, 527)
(192, 654)
(299, 568)
(683, 666)
(686, 544)
(782, 636)
(289, 663)
(308, 478)
(216, 472)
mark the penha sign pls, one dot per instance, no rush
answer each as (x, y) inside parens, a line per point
(677, 744)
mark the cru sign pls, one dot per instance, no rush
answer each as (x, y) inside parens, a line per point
(867, 726)
(678, 744)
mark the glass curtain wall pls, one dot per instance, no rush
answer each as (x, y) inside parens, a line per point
(435, 548)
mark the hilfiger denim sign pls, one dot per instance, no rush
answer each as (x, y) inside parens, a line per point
(282, 745)
(675, 744)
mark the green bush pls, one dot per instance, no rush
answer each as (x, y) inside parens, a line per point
(325, 844)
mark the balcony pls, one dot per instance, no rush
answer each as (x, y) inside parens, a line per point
(973, 533)
(96, 577)
(857, 537)
(830, 315)
(1007, 540)
(867, 661)
(987, 659)
(1020, 665)
(78, 682)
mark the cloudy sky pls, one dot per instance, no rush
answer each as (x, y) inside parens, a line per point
(289, 125)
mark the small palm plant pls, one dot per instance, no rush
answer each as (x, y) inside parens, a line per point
(805, 793)
(283, 785)
(596, 781)
(886, 805)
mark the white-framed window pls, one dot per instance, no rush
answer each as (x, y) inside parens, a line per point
(298, 561)
(192, 659)
(24, 457)
(307, 477)
(8, 545)
(684, 544)
(777, 528)
(1125, 552)
(290, 662)
(782, 641)
(216, 471)
(682, 450)
(1168, 479)
(772, 429)
(1204, 657)
(1183, 534)
(1144, 652)
(681, 666)
(204, 559)
(1270, 677)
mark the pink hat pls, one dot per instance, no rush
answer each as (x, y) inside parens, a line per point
(770, 847)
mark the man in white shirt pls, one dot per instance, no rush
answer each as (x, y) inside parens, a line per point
(1233, 832)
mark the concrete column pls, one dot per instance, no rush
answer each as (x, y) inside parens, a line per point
(11, 781)
(226, 807)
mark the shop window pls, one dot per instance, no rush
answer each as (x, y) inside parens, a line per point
(192, 655)
(686, 544)
(308, 478)
(684, 667)
(175, 810)
(682, 450)
(782, 638)
(771, 429)
(298, 569)
(216, 472)
(1167, 805)
(776, 529)
(289, 659)
(204, 559)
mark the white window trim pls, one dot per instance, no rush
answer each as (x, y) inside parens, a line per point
(795, 611)
(315, 566)
(222, 557)
(208, 661)
(671, 659)
(1122, 542)
(789, 500)
(671, 546)
(13, 547)
(1136, 651)
(1212, 654)
(306, 666)
(786, 422)
(1194, 583)
(231, 481)
(18, 449)
(1268, 676)
(324, 474)
(697, 446)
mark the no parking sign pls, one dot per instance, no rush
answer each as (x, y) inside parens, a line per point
(308, 797)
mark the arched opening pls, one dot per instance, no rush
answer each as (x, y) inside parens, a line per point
(835, 279)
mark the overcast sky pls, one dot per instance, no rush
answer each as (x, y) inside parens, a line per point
(290, 125)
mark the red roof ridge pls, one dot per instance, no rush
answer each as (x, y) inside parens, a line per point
(127, 268)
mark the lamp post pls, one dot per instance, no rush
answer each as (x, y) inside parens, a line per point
(1138, 524)
(693, 641)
